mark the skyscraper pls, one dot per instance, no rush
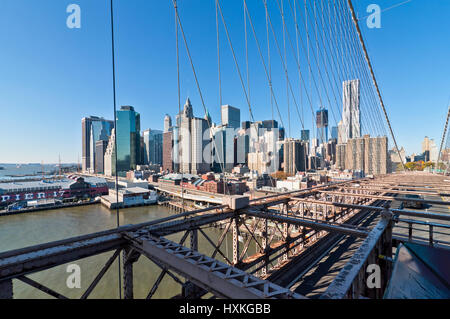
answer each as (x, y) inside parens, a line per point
(231, 116)
(304, 135)
(334, 132)
(100, 150)
(109, 163)
(368, 154)
(153, 146)
(322, 125)
(93, 129)
(128, 138)
(351, 116)
(167, 123)
(167, 156)
(295, 158)
(191, 141)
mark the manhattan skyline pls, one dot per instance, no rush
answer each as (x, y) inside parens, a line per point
(60, 75)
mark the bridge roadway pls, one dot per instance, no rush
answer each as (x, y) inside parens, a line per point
(190, 194)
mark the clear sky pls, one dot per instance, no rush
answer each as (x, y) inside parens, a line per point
(52, 76)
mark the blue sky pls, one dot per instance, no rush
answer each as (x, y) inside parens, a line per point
(52, 76)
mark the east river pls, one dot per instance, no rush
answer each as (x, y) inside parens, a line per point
(23, 230)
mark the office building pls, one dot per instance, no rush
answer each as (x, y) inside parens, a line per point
(93, 129)
(153, 147)
(128, 139)
(231, 116)
(368, 154)
(167, 123)
(100, 150)
(192, 141)
(167, 156)
(304, 135)
(295, 158)
(340, 156)
(334, 132)
(109, 162)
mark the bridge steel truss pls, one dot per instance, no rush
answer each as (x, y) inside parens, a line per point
(286, 229)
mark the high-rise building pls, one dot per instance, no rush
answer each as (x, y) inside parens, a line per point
(428, 145)
(334, 132)
(322, 125)
(231, 116)
(304, 135)
(192, 139)
(153, 146)
(368, 154)
(330, 151)
(167, 123)
(295, 158)
(93, 129)
(167, 156)
(340, 156)
(109, 162)
(264, 155)
(351, 116)
(376, 159)
(100, 150)
(128, 139)
(199, 142)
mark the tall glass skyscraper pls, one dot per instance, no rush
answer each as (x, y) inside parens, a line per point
(128, 139)
(153, 146)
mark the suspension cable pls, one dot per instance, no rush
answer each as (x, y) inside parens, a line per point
(355, 21)
(115, 132)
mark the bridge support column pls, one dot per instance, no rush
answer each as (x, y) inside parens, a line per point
(130, 256)
(285, 233)
(264, 247)
(194, 239)
(6, 289)
(235, 227)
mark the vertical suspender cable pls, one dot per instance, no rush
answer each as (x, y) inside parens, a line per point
(355, 21)
(178, 125)
(115, 129)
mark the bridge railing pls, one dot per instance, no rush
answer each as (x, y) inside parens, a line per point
(373, 256)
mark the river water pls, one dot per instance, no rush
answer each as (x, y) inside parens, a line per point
(24, 230)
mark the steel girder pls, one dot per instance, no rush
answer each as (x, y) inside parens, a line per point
(222, 280)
